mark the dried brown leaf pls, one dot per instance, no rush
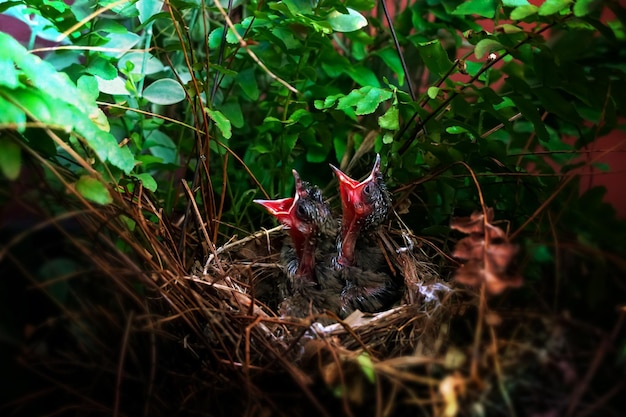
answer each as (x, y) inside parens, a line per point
(475, 223)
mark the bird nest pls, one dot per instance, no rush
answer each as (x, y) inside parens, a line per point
(151, 334)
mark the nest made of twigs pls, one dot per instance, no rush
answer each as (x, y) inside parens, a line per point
(146, 334)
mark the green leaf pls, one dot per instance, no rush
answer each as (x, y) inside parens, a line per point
(484, 8)
(147, 181)
(161, 145)
(121, 43)
(366, 99)
(10, 158)
(299, 6)
(390, 120)
(367, 366)
(94, 190)
(528, 109)
(555, 103)
(148, 8)
(456, 130)
(435, 57)
(362, 75)
(11, 114)
(392, 60)
(9, 73)
(114, 87)
(585, 7)
(432, 92)
(232, 110)
(523, 12)
(222, 123)
(102, 68)
(248, 83)
(142, 63)
(486, 46)
(349, 22)
(42, 75)
(550, 7)
(164, 92)
(88, 85)
(514, 3)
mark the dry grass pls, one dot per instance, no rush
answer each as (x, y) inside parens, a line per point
(149, 330)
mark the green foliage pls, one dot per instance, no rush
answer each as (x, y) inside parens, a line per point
(159, 95)
(469, 103)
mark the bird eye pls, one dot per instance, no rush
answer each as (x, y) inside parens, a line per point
(301, 211)
(367, 190)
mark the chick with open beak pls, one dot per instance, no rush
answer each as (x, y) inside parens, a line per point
(307, 255)
(365, 205)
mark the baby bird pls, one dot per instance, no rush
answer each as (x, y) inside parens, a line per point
(313, 285)
(359, 259)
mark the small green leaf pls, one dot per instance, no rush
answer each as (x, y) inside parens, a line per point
(248, 83)
(456, 130)
(102, 68)
(365, 99)
(486, 46)
(147, 181)
(484, 8)
(160, 145)
(9, 74)
(349, 22)
(585, 7)
(390, 120)
(371, 101)
(299, 6)
(114, 87)
(523, 12)
(514, 3)
(222, 123)
(121, 43)
(367, 367)
(10, 158)
(164, 91)
(529, 110)
(509, 28)
(435, 57)
(88, 85)
(432, 92)
(143, 63)
(94, 190)
(232, 110)
(550, 7)
(392, 60)
(11, 114)
(387, 138)
(362, 75)
(148, 8)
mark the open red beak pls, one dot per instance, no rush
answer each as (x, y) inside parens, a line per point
(352, 192)
(300, 229)
(281, 209)
(355, 208)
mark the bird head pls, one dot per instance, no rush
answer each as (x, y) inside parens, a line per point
(304, 216)
(364, 204)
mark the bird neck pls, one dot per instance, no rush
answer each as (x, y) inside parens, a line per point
(349, 234)
(305, 250)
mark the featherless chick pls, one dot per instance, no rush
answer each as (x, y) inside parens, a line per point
(313, 284)
(359, 258)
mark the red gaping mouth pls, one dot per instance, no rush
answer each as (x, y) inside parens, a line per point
(354, 207)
